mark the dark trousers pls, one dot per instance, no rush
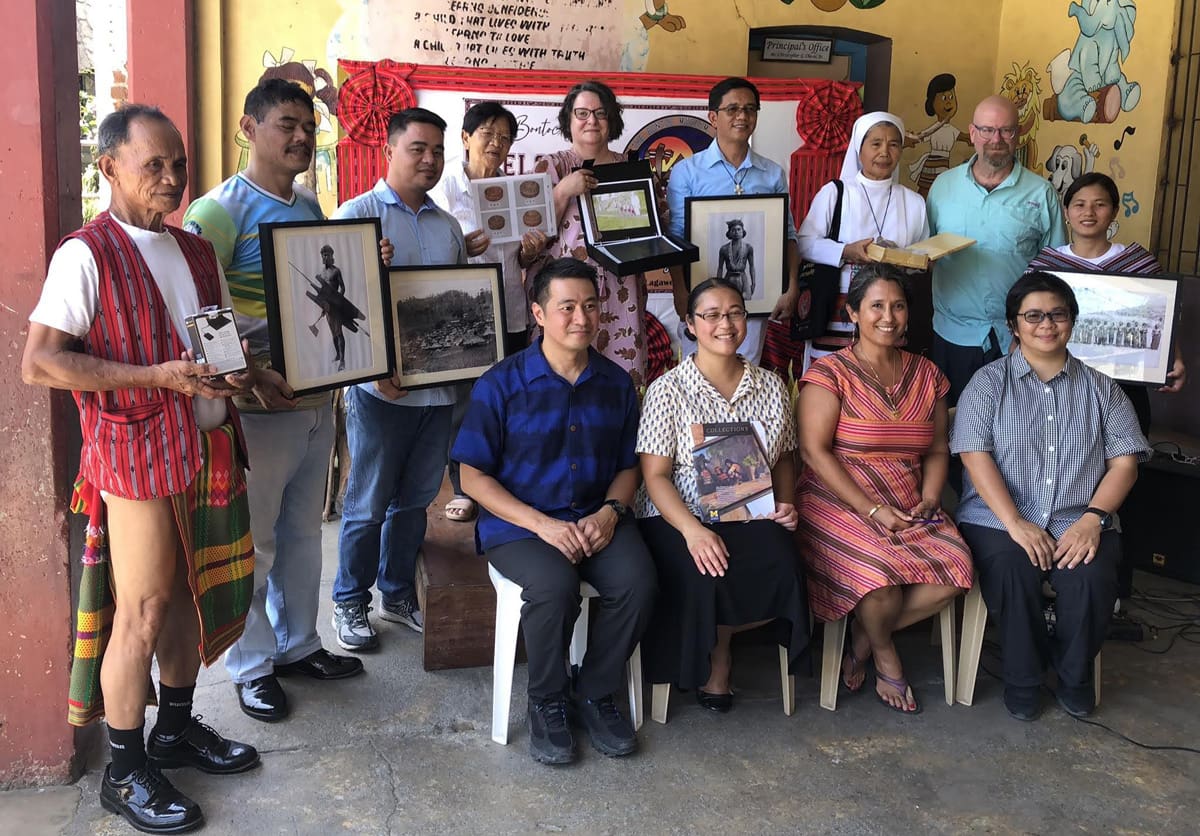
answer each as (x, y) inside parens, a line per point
(623, 574)
(1012, 590)
(959, 364)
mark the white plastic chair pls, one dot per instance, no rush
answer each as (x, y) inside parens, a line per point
(508, 621)
(661, 694)
(974, 620)
(835, 639)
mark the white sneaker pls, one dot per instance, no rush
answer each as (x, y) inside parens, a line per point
(354, 631)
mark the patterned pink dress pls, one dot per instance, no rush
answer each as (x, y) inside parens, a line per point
(621, 337)
(847, 555)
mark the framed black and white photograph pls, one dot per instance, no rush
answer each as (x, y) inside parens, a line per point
(1126, 324)
(741, 238)
(327, 302)
(448, 322)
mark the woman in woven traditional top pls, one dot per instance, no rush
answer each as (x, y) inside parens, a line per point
(874, 441)
(1091, 203)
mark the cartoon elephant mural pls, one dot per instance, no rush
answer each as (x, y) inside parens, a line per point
(1095, 87)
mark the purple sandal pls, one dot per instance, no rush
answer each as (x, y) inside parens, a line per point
(901, 685)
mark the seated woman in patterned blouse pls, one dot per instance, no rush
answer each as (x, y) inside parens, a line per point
(716, 579)
(874, 442)
(1051, 448)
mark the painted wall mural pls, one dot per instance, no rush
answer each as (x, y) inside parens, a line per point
(1068, 162)
(321, 176)
(941, 102)
(1088, 79)
(834, 5)
(1023, 87)
(528, 34)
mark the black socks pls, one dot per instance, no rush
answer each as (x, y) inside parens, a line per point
(128, 747)
(174, 710)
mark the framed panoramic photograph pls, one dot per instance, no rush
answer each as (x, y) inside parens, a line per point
(448, 322)
(327, 302)
(741, 238)
(1126, 324)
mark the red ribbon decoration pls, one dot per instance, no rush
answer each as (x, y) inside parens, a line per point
(825, 114)
(369, 97)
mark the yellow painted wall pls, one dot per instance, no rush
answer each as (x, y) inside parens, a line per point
(976, 40)
(1036, 31)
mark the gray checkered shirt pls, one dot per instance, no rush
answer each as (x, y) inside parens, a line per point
(1050, 440)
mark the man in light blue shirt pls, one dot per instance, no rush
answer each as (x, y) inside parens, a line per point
(727, 167)
(1012, 214)
(397, 439)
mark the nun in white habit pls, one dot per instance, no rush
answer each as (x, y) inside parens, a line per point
(875, 208)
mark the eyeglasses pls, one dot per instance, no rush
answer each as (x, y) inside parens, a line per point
(582, 113)
(1037, 317)
(713, 317)
(734, 110)
(987, 131)
(489, 137)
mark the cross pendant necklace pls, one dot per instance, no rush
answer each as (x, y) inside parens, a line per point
(737, 180)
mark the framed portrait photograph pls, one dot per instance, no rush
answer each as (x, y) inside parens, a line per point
(327, 302)
(448, 322)
(1126, 324)
(741, 238)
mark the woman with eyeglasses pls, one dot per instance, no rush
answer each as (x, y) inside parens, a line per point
(488, 130)
(1051, 448)
(874, 208)
(873, 439)
(716, 578)
(590, 118)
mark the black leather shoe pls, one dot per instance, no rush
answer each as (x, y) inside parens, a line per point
(321, 664)
(149, 802)
(1023, 703)
(262, 699)
(720, 703)
(200, 746)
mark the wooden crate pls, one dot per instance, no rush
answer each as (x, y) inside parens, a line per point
(455, 595)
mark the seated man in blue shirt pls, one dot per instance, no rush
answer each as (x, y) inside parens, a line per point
(547, 451)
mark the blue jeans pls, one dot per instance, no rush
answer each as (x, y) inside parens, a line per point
(289, 457)
(397, 458)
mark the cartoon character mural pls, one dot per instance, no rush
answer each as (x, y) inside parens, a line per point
(1067, 163)
(1088, 81)
(834, 5)
(318, 83)
(941, 101)
(637, 37)
(1023, 87)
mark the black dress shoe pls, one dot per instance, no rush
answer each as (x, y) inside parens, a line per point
(720, 703)
(149, 802)
(262, 699)
(200, 746)
(321, 664)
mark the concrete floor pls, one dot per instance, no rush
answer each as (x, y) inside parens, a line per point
(399, 750)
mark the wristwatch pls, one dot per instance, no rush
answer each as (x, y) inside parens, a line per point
(617, 505)
(1106, 520)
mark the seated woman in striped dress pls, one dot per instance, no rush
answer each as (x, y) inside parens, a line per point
(873, 436)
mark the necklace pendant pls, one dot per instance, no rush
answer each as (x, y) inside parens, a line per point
(737, 188)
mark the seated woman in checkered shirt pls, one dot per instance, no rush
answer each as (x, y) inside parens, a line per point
(719, 577)
(1051, 448)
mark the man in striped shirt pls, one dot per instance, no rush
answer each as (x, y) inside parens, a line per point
(288, 438)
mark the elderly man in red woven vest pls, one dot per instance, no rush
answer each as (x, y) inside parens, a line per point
(168, 562)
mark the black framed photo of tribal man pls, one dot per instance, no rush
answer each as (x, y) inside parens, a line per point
(741, 238)
(327, 302)
(448, 322)
(1126, 324)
